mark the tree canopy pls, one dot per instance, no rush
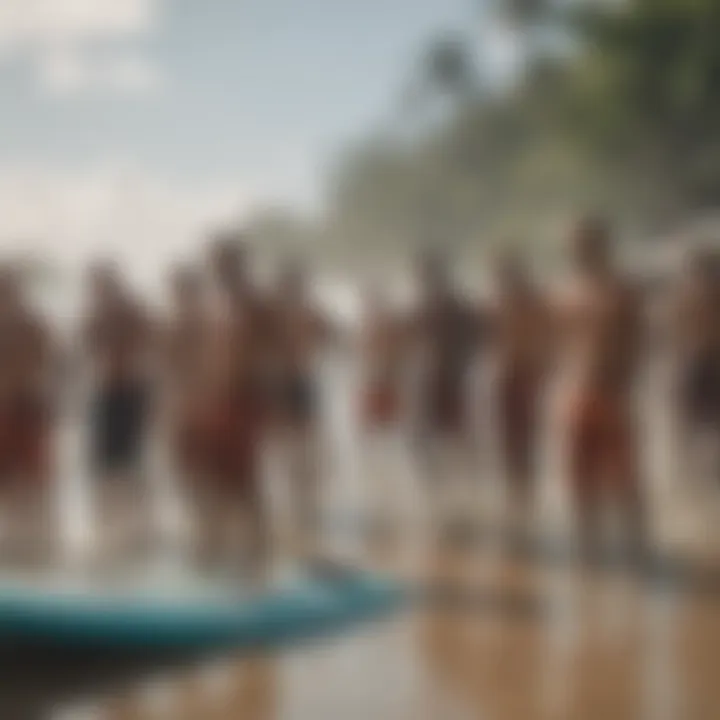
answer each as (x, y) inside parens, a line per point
(618, 110)
(614, 107)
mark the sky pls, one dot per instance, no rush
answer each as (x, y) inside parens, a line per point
(128, 127)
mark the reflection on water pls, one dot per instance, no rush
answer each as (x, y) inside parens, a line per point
(501, 633)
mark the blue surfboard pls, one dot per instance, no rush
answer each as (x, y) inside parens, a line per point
(188, 612)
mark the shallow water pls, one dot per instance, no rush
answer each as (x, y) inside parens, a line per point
(508, 635)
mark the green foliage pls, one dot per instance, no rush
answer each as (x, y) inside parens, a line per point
(523, 13)
(620, 112)
(650, 76)
(449, 66)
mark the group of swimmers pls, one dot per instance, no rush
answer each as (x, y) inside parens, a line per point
(233, 368)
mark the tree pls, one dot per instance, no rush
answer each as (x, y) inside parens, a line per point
(448, 67)
(619, 113)
(649, 82)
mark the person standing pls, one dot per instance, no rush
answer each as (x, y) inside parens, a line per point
(231, 504)
(445, 334)
(119, 341)
(522, 338)
(28, 389)
(302, 332)
(603, 338)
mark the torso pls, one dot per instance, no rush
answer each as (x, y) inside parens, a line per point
(448, 343)
(602, 334)
(118, 341)
(383, 352)
(185, 358)
(23, 356)
(448, 334)
(521, 334)
(698, 323)
(299, 334)
(239, 346)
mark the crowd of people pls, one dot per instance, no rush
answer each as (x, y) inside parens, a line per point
(232, 367)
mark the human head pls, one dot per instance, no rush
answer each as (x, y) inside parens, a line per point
(229, 260)
(510, 270)
(105, 283)
(433, 272)
(10, 287)
(293, 279)
(186, 287)
(590, 245)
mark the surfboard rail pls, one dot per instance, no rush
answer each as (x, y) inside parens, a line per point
(310, 606)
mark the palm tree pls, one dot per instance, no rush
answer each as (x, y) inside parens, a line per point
(448, 69)
(523, 14)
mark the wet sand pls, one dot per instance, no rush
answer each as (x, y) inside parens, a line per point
(500, 630)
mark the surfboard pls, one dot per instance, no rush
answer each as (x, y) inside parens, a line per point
(181, 610)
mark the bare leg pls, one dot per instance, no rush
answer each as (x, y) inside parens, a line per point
(309, 486)
(210, 525)
(302, 471)
(109, 515)
(628, 491)
(14, 520)
(256, 543)
(687, 465)
(586, 467)
(31, 499)
(385, 472)
(519, 469)
(589, 515)
(144, 535)
(39, 534)
(428, 461)
(445, 463)
(7, 520)
(716, 453)
(463, 472)
(635, 521)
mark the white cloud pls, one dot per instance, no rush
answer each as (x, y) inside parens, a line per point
(63, 73)
(41, 23)
(132, 74)
(141, 218)
(59, 39)
(69, 73)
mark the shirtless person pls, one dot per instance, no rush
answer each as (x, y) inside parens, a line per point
(521, 337)
(301, 332)
(604, 333)
(383, 356)
(235, 411)
(445, 334)
(27, 386)
(184, 383)
(382, 393)
(118, 339)
(696, 334)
